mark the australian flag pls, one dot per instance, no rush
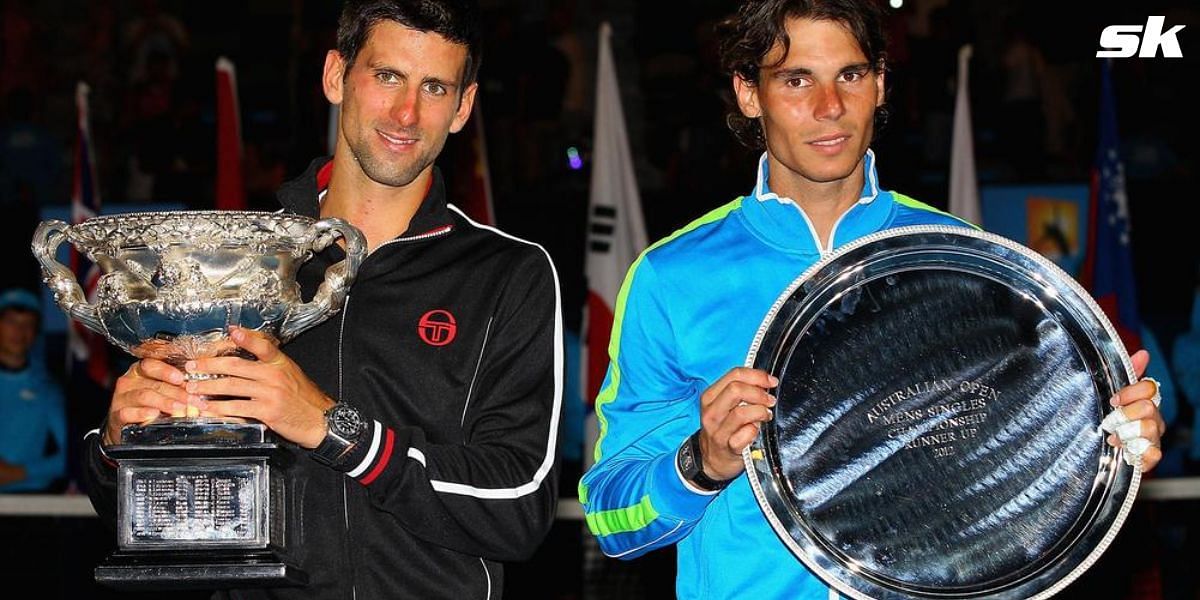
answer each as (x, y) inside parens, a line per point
(85, 347)
(1108, 267)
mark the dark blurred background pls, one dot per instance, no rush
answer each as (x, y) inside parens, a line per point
(1034, 95)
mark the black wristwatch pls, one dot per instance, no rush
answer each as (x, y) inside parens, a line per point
(345, 428)
(691, 466)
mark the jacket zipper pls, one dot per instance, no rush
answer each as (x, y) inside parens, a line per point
(345, 309)
(345, 502)
(417, 238)
(833, 232)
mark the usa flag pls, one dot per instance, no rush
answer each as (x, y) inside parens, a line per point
(85, 346)
(1108, 267)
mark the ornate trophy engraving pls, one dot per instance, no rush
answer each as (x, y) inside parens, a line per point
(937, 432)
(202, 502)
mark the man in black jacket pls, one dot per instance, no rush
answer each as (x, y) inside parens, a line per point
(449, 346)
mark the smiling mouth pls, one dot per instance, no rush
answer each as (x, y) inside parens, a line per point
(399, 141)
(830, 141)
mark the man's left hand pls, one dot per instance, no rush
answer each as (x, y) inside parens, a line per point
(1141, 418)
(272, 389)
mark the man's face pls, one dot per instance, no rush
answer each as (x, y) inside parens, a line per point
(818, 104)
(399, 101)
(18, 328)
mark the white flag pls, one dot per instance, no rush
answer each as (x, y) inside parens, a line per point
(616, 230)
(964, 189)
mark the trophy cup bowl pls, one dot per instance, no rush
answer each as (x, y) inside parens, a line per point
(202, 502)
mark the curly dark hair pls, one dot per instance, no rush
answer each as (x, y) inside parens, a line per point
(455, 20)
(748, 36)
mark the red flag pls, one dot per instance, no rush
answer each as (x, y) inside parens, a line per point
(84, 345)
(616, 229)
(231, 187)
(472, 180)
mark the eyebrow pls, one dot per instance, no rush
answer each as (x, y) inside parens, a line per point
(803, 71)
(378, 67)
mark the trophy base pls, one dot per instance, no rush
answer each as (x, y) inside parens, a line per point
(136, 572)
(203, 504)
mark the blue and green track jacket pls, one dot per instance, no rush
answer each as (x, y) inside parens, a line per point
(687, 313)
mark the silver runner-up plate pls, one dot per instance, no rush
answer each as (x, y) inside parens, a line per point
(937, 432)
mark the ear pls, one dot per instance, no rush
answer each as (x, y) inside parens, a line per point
(465, 104)
(747, 97)
(880, 96)
(331, 78)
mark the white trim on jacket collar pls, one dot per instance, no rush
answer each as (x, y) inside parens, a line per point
(870, 186)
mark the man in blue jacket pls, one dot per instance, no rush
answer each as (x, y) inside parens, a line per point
(33, 422)
(808, 77)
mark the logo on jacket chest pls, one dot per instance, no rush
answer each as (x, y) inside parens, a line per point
(437, 327)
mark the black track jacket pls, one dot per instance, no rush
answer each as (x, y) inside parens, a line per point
(450, 342)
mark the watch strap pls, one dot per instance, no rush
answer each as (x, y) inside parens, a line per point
(691, 466)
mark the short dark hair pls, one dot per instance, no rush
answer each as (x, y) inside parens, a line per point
(749, 35)
(455, 20)
(37, 315)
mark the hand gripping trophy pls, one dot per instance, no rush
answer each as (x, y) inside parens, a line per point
(202, 501)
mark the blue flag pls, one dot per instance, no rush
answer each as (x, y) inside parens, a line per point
(1108, 267)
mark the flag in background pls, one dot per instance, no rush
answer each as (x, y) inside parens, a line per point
(231, 187)
(331, 132)
(964, 189)
(1108, 266)
(616, 230)
(472, 180)
(83, 345)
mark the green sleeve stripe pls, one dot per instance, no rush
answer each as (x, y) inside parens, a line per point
(622, 520)
(917, 204)
(609, 393)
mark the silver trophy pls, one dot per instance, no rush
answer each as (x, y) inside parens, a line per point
(202, 502)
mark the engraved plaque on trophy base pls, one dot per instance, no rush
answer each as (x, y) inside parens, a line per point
(203, 504)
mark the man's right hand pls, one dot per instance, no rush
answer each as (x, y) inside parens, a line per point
(731, 411)
(149, 389)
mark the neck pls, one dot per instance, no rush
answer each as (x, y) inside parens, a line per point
(13, 362)
(380, 211)
(823, 202)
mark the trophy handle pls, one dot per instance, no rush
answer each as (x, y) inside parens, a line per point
(67, 292)
(332, 292)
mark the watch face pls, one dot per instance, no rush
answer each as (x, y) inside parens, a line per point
(346, 421)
